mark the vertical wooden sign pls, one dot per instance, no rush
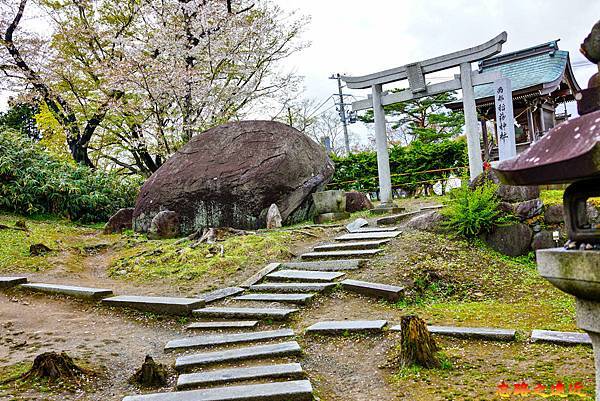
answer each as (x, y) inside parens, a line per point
(505, 121)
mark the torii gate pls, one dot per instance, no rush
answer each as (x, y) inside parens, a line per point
(415, 73)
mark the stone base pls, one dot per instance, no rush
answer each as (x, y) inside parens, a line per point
(328, 217)
(387, 210)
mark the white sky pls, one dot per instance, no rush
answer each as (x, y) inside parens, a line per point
(357, 37)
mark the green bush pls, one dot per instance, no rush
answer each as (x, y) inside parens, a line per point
(34, 182)
(358, 171)
(471, 212)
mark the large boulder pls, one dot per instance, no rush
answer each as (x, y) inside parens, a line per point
(230, 175)
(511, 240)
(529, 209)
(122, 220)
(428, 221)
(507, 193)
(554, 214)
(357, 201)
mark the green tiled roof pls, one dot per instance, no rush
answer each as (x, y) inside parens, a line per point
(527, 72)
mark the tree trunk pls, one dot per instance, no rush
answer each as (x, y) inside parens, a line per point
(417, 346)
(150, 374)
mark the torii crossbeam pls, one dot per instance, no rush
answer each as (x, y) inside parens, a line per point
(415, 73)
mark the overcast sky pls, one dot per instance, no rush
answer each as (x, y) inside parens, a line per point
(358, 36)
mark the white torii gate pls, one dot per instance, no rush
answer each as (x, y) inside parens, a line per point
(415, 73)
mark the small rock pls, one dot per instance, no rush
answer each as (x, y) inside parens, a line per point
(431, 221)
(543, 240)
(512, 240)
(528, 209)
(164, 225)
(357, 201)
(38, 249)
(356, 224)
(554, 214)
(122, 220)
(273, 217)
(21, 224)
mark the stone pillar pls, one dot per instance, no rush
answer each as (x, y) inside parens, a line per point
(471, 123)
(588, 319)
(383, 161)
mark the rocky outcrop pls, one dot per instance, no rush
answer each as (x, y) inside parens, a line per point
(357, 201)
(122, 220)
(230, 175)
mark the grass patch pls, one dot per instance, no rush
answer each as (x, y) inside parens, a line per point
(552, 196)
(143, 260)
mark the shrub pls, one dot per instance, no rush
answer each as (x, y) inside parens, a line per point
(32, 182)
(471, 212)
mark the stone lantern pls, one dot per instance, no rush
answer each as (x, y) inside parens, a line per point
(570, 153)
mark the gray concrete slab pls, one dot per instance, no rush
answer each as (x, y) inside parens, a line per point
(326, 265)
(368, 236)
(303, 275)
(260, 275)
(238, 354)
(342, 326)
(358, 253)
(396, 218)
(344, 246)
(223, 325)
(70, 290)
(223, 339)
(477, 333)
(222, 376)
(300, 299)
(299, 390)
(375, 229)
(292, 287)
(376, 290)
(160, 305)
(221, 293)
(251, 313)
(8, 282)
(561, 337)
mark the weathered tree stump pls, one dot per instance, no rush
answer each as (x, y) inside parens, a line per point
(417, 346)
(54, 366)
(150, 374)
(38, 249)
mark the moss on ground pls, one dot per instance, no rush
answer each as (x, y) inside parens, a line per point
(69, 243)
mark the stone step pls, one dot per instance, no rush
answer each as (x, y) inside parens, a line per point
(160, 305)
(299, 390)
(477, 333)
(359, 253)
(368, 236)
(238, 354)
(561, 337)
(326, 265)
(70, 290)
(292, 287)
(271, 267)
(374, 229)
(222, 376)
(223, 339)
(224, 325)
(8, 282)
(303, 275)
(343, 326)
(396, 218)
(220, 294)
(389, 292)
(300, 299)
(251, 313)
(344, 246)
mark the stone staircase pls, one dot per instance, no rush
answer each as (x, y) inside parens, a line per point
(255, 363)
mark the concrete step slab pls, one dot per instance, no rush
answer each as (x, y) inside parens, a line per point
(224, 339)
(343, 326)
(251, 313)
(160, 305)
(271, 267)
(375, 229)
(476, 333)
(222, 376)
(289, 348)
(368, 236)
(303, 275)
(344, 246)
(396, 218)
(8, 282)
(561, 337)
(70, 290)
(326, 265)
(300, 299)
(220, 294)
(376, 290)
(298, 390)
(224, 325)
(293, 287)
(359, 253)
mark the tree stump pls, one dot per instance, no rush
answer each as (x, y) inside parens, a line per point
(54, 366)
(151, 374)
(417, 346)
